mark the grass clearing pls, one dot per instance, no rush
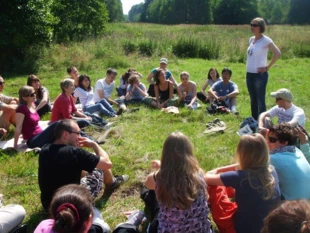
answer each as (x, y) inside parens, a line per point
(138, 137)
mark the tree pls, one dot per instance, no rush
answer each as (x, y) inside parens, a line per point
(115, 8)
(274, 11)
(24, 23)
(134, 15)
(299, 11)
(235, 11)
(79, 19)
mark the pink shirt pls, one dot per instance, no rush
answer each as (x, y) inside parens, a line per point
(63, 108)
(45, 226)
(30, 127)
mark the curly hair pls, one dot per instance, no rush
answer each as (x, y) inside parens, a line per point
(285, 133)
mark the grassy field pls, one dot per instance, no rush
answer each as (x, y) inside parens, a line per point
(138, 137)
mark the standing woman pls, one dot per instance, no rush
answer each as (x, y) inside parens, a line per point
(42, 101)
(180, 188)
(257, 67)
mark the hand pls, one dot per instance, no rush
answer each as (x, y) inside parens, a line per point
(189, 106)
(214, 171)
(155, 164)
(222, 98)
(263, 131)
(3, 131)
(302, 136)
(86, 142)
(159, 105)
(262, 69)
(89, 118)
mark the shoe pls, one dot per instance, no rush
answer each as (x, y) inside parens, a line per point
(235, 112)
(136, 218)
(100, 141)
(119, 112)
(118, 181)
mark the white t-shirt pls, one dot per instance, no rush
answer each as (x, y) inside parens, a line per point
(291, 115)
(103, 86)
(257, 53)
(86, 97)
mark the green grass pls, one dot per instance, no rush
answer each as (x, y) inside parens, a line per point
(139, 136)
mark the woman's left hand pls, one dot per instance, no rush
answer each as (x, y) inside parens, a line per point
(262, 69)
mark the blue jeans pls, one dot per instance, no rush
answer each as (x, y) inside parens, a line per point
(256, 84)
(99, 107)
(45, 137)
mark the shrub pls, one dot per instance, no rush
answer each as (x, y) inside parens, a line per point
(147, 47)
(129, 47)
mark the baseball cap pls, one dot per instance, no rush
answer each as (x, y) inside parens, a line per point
(282, 93)
(163, 60)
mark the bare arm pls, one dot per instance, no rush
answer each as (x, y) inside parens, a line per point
(170, 94)
(173, 81)
(194, 94)
(43, 101)
(261, 119)
(276, 54)
(204, 87)
(213, 177)
(150, 182)
(101, 95)
(18, 129)
(212, 93)
(8, 107)
(150, 78)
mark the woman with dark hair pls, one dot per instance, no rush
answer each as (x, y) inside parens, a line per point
(256, 65)
(42, 101)
(122, 89)
(163, 92)
(85, 93)
(72, 210)
(27, 121)
(213, 77)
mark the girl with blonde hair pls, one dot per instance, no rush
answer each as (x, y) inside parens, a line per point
(179, 187)
(255, 183)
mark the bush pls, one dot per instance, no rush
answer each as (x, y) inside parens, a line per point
(147, 47)
(129, 47)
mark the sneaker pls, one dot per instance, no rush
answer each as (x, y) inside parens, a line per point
(100, 141)
(136, 218)
(118, 181)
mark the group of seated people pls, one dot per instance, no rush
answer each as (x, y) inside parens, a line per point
(272, 167)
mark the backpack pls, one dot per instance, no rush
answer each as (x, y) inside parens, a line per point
(218, 106)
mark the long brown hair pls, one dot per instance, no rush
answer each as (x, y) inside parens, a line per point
(32, 78)
(178, 180)
(252, 154)
(24, 91)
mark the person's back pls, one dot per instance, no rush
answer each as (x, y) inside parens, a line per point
(294, 173)
(60, 165)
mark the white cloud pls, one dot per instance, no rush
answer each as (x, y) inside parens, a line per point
(127, 4)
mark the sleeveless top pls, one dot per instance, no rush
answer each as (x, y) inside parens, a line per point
(192, 220)
(163, 95)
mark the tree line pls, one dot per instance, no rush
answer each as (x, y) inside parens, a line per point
(28, 25)
(220, 11)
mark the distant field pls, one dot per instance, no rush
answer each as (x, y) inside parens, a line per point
(138, 137)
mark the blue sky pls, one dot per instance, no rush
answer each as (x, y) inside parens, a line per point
(127, 4)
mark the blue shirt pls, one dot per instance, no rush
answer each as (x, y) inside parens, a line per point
(224, 89)
(252, 208)
(294, 174)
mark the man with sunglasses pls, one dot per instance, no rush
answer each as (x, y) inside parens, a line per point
(8, 106)
(63, 162)
(285, 110)
(290, 163)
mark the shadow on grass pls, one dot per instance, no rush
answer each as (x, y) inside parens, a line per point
(36, 218)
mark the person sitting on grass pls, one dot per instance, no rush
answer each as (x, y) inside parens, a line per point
(213, 77)
(64, 107)
(289, 217)
(187, 91)
(85, 93)
(8, 106)
(285, 110)
(27, 121)
(225, 90)
(72, 210)
(104, 89)
(136, 90)
(124, 81)
(168, 75)
(62, 163)
(163, 92)
(180, 188)
(255, 184)
(290, 163)
(42, 101)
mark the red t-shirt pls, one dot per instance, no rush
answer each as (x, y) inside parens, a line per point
(30, 127)
(63, 108)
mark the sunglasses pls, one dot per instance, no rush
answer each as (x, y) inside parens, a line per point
(254, 25)
(277, 99)
(2, 83)
(32, 94)
(272, 139)
(77, 133)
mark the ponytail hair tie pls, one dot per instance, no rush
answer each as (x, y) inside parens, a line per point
(70, 206)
